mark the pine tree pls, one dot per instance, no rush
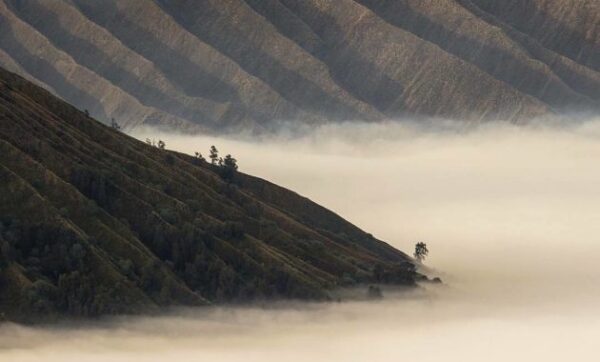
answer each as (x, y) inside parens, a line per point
(213, 155)
(228, 167)
(421, 251)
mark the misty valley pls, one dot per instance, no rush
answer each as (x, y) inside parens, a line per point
(517, 262)
(299, 180)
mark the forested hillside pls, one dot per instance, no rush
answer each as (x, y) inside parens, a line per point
(93, 221)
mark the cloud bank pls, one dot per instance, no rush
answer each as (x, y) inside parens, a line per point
(510, 215)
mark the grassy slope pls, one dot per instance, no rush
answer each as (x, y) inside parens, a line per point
(93, 221)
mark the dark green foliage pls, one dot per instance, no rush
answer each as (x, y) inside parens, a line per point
(5, 252)
(168, 215)
(199, 158)
(80, 295)
(397, 273)
(126, 267)
(232, 230)
(421, 251)
(213, 155)
(52, 250)
(94, 222)
(228, 168)
(92, 184)
(77, 252)
(150, 278)
(42, 297)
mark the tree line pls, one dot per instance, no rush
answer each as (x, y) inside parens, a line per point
(226, 167)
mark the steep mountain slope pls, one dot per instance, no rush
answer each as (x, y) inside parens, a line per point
(93, 221)
(570, 28)
(218, 65)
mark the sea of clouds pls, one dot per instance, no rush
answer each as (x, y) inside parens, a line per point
(511, 215)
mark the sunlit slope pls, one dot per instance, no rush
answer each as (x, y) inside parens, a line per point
(568, 27)
(248, 64)
(93, 221)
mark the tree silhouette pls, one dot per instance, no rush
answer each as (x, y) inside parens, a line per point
(228, 167)
(114, 124)
(230, 162)
(200, 157)
(213, 155)
(421, 251)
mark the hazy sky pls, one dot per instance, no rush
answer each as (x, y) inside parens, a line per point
(511, 216)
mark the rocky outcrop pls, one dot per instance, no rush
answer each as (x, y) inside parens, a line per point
(216, 65)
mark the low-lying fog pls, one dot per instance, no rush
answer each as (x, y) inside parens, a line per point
(511, 217)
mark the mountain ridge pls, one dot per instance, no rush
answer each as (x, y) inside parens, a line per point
(94, 222)
(218, 66)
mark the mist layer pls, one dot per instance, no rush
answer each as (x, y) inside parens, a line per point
(510, 215)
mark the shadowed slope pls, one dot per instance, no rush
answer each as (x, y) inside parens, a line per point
(93, 221)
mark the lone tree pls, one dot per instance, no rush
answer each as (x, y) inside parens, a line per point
(161, 144)
(421, 251)
(213, 155)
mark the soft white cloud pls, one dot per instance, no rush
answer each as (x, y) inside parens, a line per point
(510, 215)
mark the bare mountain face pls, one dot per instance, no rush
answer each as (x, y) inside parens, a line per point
(217, 65)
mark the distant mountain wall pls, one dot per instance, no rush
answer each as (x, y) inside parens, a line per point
(226, 65)
(95, 222)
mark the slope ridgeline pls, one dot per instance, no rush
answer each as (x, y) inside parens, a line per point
(95, 222)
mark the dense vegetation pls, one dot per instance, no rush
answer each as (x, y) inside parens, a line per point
(93, 221)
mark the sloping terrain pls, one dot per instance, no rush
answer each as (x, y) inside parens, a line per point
(227, 65)
(93, 221)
